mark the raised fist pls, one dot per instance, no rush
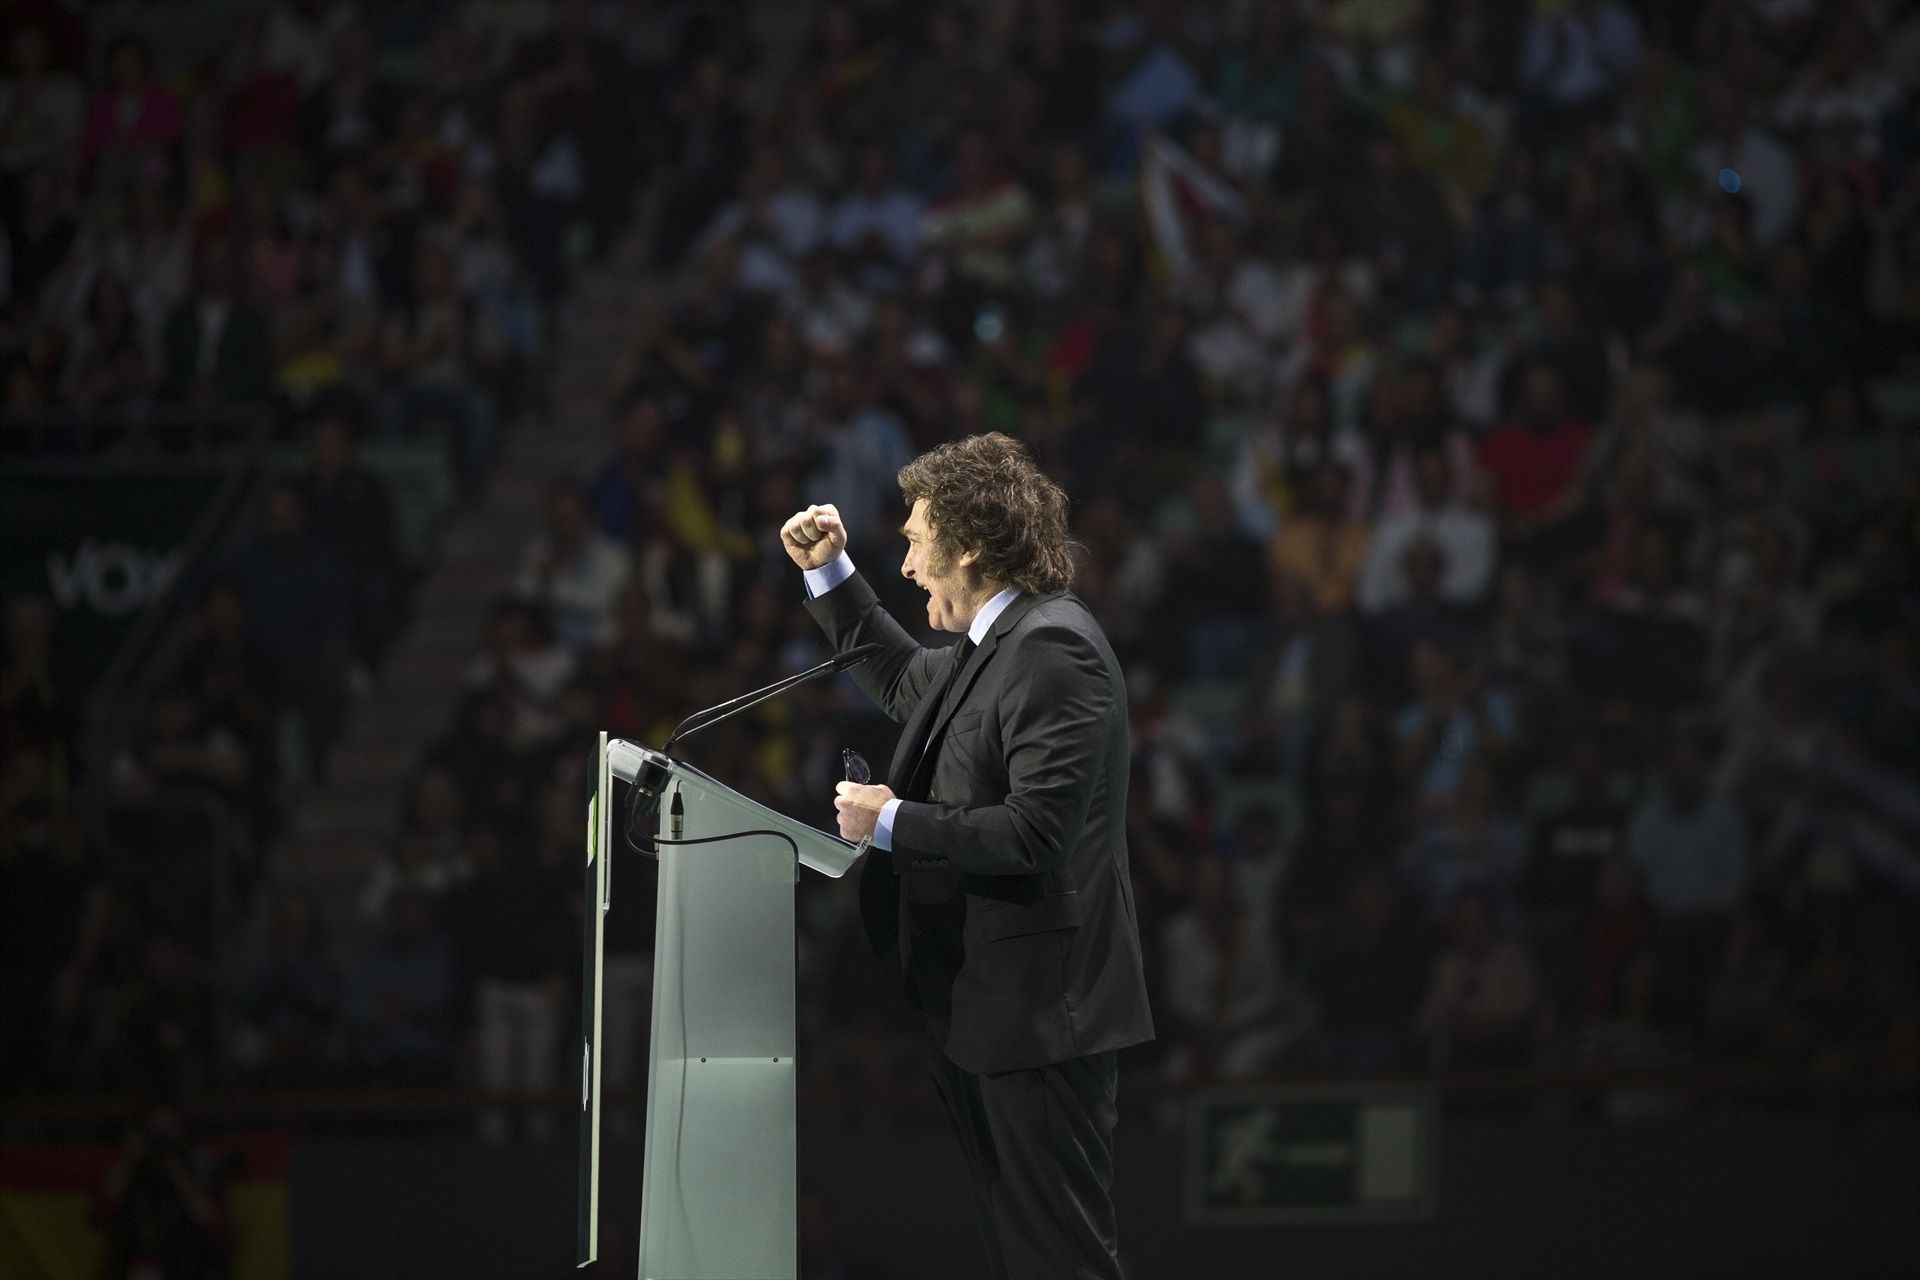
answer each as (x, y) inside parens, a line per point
(814, 538)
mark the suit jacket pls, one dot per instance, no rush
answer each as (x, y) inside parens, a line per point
(1006, 893)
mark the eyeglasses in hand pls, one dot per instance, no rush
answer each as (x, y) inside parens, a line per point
(855, 767)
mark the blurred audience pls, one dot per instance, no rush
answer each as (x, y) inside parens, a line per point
(398, 1003)
(1491, 444)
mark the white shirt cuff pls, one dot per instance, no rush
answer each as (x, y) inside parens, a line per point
(829, 575)
(883, 826)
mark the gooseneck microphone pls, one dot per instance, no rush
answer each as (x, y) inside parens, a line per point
(643, 797)
(733, 706)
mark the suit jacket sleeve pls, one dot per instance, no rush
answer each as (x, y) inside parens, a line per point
(851, 614)
(1057, 726)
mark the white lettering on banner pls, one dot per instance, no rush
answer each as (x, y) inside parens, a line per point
(114, 578)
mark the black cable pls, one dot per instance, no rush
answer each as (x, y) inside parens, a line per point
(793, 844)
(731, 835)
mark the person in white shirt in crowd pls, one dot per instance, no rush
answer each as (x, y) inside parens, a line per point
(1223, 983)
(877, 211)
(573, 572)
(41, 107)
(1689, 843)
(1737, 156)
(1464, 534)
(1580, 52)
(1483, 997)
(775, 223)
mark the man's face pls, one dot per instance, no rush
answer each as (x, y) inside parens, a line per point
(949, 580)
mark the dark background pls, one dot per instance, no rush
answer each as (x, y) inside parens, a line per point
(1491, 429)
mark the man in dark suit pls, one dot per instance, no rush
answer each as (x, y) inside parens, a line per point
(999, 864)
(215, 343)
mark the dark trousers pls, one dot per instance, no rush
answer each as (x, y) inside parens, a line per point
(1039, 1152)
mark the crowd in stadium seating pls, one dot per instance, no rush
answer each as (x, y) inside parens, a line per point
(1491, 435)
(309, 227)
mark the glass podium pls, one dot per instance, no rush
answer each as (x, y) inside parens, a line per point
(718, 1196)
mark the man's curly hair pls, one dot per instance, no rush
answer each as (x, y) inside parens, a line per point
(985, 491)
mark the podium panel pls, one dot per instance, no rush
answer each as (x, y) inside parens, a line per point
(719, 1198)
(719, 1195)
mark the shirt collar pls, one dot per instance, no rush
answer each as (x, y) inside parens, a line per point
(990, 611)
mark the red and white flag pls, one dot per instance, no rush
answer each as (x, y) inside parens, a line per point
(1178, 193)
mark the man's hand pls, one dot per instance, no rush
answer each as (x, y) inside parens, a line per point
(814, 538)
(859, 808)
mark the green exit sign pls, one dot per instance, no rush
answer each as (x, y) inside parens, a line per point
(1311, 1154)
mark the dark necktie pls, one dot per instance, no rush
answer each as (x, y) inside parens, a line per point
(961, 652)
(942, 692)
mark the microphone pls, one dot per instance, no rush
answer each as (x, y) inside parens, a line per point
(854, 656)
(643, 797)
(713, 715)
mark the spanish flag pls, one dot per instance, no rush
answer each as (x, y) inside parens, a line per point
(51, 1200)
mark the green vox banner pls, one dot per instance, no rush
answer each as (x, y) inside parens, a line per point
(101, 544)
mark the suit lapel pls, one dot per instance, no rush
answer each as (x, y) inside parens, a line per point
(943, 704)
(956, 693)
(906, 751)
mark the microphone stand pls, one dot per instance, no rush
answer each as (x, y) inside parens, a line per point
(714, 715)
(643, 799)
